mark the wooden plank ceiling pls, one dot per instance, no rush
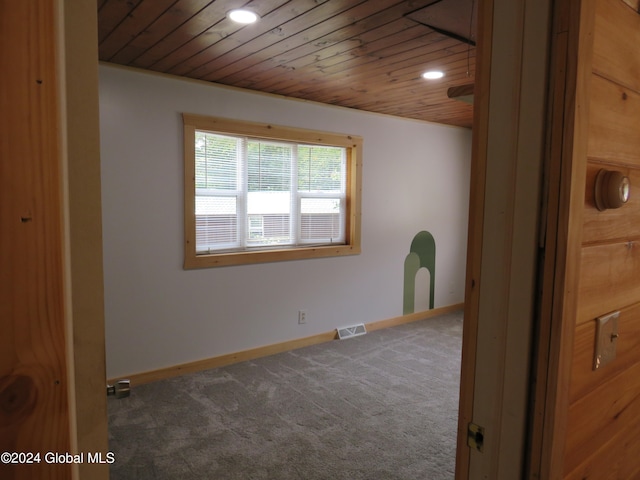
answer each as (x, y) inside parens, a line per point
(367, 55)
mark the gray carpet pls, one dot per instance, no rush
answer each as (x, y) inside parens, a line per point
(382, 406)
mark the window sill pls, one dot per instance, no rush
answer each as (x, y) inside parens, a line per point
(264, 256)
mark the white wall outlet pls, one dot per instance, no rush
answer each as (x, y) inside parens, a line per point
(302, 317)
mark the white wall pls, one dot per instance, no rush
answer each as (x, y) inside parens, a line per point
(415, 177)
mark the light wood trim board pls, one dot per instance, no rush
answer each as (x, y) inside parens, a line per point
(231, 358)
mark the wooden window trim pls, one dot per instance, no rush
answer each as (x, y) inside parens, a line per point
(352, 143)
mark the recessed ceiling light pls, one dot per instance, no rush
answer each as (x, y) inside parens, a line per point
(433, 74)
(242, 15)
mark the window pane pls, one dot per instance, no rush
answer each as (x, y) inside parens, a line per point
(269, 166)
(321, 169)
(321, 220)
(269, 193)
(269, 218)
(212, 205)
(217, 161)
(216, 223)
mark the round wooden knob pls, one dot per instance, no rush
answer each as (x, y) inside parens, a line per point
(611, 190)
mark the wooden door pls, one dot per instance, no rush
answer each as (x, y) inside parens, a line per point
(591, 415)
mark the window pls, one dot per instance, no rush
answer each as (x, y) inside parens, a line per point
(262, 193)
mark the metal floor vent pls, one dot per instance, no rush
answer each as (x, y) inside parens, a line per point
(352, 331)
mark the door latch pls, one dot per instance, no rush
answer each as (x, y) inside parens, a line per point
(475, 436)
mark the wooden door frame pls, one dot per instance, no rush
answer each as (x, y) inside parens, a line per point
(503, 249)
(53, 371)
(564, 128)
(82, 212)
(506, 431)
(35, 409)
(566, 156)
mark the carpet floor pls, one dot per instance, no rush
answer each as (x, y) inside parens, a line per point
(382, 406)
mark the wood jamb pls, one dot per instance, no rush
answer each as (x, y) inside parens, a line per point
(566, 157)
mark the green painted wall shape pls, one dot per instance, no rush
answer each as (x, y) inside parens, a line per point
(422, 255)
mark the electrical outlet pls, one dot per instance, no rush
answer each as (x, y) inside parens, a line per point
(302, 317)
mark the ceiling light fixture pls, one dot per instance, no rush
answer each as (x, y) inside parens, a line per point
(433, 74)
(242, 15)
